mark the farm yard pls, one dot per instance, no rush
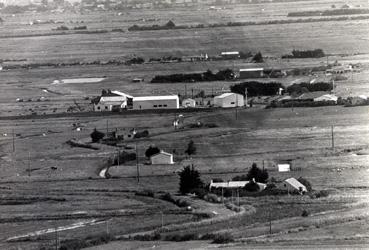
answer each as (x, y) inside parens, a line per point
(58, 189)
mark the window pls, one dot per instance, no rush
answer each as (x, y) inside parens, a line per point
(160, 105)
(98, 107)
(106, 107)
(155, 106)
(232, 102)
(165, 105)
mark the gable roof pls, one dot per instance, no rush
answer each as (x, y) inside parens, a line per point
(252, 69)
(233, 184)
(116, 92)
(295, 183)
(311, 95)
(114, 99)
(161, 153)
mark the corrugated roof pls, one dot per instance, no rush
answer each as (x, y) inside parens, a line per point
(105, 99)
(226, 95)
(121, 93)
(295, 183)
(253, 69)
(311, 95)
(230, 53)
(233, 184)
(156, 98)
(162, 153)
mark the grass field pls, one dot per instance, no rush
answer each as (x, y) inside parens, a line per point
(47, 184)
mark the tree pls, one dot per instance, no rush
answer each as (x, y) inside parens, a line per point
(257, 174)
(151, 151)
(191, 148)
(189, 179)
(252, 186)
(258, 58)
(96, 135)
(306, 183)
(170, 24)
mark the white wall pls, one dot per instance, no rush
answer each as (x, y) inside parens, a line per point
(156, 104)
(229, 101)
(162, 159)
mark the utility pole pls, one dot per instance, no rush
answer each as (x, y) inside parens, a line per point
(107, 127)
(162, 220)
(118, 157)
(236, 106)
(29, 164)
(246, 97)
(332, 132)
(138, 170)
(107, 227)
(56, 238)
(185, 90)
(13, 140)
(263, 165)
(270, 221)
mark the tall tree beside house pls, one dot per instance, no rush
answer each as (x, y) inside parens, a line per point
(151, 151)
(257, 174)
(96, 135)
(189, 179)
(191, 148)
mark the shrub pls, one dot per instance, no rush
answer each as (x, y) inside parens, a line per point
(317, 53)
(148, 193)
(257, 174)
(151, 151)
(181, 237)
(200, 192)
(252, 187)
(191, 148)
(213, 198)
(96, 135)
(124, 157)
(222, 238)
(306, 183)
(305, 213)
(142, 134)
(258, 58)
(233, 207)
(319, 194)
(304, 87)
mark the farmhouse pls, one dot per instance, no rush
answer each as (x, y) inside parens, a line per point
(189, 103)
(230, 55)
(162, 158)
(251, 73)
(233, 184)
(291, 185)
(156, 102)
(113, 100)
(229, 100)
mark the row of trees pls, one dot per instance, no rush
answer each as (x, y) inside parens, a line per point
(305, 87)
(221, 75)
(316, 53)
(255, 88)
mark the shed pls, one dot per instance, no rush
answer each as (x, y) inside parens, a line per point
(156, 102)
(291, 184)
(162, 158)
(189, 103)
(229, 100)
(230, 55)
(251, 73)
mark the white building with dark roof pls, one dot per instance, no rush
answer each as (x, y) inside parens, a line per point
(162, 158)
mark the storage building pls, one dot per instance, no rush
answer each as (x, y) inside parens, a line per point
(251, 73)
(113, 100)
(162, 158)
(292, 185)
(229, 100)
(189, 103)
(156, 102)
(230, 55)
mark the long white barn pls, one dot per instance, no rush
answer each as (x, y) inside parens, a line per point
(156, 102)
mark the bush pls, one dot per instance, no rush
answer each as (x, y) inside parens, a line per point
(191, 148)
(304, 87)
(233, 207)
(319, 194)
(208, 75)
(222, 238)
(151, 151)
(142, 134)
(148, 193)
(306, 183)
(257, 174)
(124, 157)
(213, 198)
(96, 135)
(200, 192)
(258, 58)
(181, 237)
(252, 187)
(317, 53)
(305, 213)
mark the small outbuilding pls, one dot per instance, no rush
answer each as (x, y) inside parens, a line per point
(189, 103)
(230, 55)
(292, 185)
(229, 100)
(234, 185)
(251, 73)
(162, 158)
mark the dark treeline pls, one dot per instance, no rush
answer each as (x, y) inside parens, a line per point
(309, 87)
(335, 12)
(255, 88)
(316, 53)
(221, 75)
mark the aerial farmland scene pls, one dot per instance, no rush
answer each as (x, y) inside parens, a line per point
(184, 124)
